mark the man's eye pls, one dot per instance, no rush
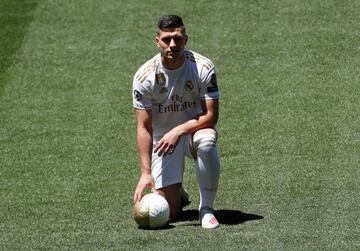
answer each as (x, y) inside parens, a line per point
(166, 40)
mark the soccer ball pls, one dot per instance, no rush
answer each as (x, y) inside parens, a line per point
(152, 211)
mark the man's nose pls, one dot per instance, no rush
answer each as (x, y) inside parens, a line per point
(172, 43)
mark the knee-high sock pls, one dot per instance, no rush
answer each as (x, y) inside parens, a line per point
(207, 168)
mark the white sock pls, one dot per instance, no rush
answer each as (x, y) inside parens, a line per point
(207, 168)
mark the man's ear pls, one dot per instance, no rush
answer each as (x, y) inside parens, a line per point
(157, 41)
(186, 39)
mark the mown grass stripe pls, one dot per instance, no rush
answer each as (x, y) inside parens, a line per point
(15, 17)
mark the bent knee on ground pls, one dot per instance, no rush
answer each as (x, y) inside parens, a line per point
(172, 195)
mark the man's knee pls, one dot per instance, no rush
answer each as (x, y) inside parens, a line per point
(172, 195)
(205, 140)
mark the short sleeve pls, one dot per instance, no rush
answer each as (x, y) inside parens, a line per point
(141, 95)
(209, 87)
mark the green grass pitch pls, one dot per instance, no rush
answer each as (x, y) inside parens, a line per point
(289, 125)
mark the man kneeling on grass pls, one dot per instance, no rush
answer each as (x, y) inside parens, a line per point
(176, 98)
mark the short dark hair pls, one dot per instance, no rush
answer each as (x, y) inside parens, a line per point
(170, 22)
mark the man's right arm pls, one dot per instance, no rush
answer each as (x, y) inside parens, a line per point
(144, 143)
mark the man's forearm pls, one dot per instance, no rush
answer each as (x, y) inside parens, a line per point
(195, 124)
(144, 146)
(207, 119)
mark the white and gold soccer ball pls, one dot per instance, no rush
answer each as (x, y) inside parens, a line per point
(152, 211)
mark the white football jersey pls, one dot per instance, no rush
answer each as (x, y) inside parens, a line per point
(174, 95)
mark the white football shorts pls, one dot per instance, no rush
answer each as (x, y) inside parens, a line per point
(169, 169)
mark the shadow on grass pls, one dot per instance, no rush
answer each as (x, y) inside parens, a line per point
(166, 227)
(224, 216)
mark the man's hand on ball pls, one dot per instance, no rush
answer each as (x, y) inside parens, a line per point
(145, 182)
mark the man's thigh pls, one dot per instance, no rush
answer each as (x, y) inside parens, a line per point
(168, 169)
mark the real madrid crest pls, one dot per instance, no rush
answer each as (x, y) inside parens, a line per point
(189, 85)
(160, 79)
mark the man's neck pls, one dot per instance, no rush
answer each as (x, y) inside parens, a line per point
(173, 64)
